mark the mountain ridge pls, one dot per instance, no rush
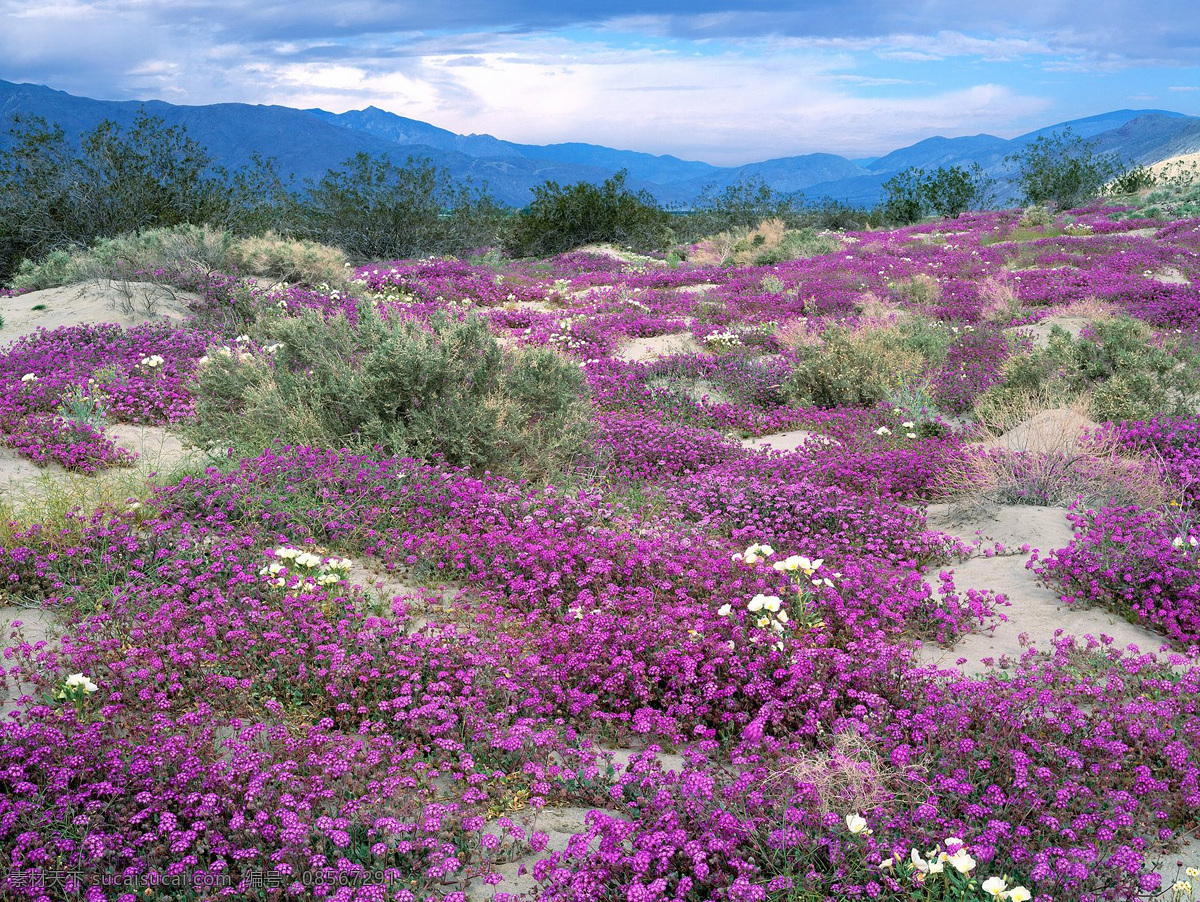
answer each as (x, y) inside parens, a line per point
(308, 143)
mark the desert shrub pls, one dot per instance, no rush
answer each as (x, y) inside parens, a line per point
(561, 218)
(1118, 363)
(853, 369)
(145, 255)
(946, 191)
(442, 389)
(374, 209)
(920, 291)
(904, 196)
(1061, 169)
(1035, 216)
(952, 190)
(1132, 181)
(771, 242)
(290, 260)
(54, 195)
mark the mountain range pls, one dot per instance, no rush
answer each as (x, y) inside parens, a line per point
(308, 143)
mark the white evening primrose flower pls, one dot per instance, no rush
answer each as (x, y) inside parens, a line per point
(754, 553)
(29, 377)
(771, 603)
(79, 681)
(1193, 872)
(961, 861)
(1177, 541)
(725, 610)
(910, 435)
(887, 864)
(755, 604)
(1020, 894)
(918, 861)
(883, 430)
(782, 617)
(286, 553)
(994, 887)
(202, 361)
(242, 339)
(909, 424)
(856, 823)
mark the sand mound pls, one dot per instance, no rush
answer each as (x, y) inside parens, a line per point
(125, 304)
(1047, 432)
(1039, 332)
(656, 346)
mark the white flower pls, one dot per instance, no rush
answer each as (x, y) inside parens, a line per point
(782, 617)
(887, 864)
(883, 430)
(29, 377)
(994, 887)
(909, 424)
(286, 553)
(918, 862)
(242, 339)
(856, 823)
(79, 681)
(725, 610)
(961, 861)
(755, 604)
(910, 434)
(754, 553)
(771, 603)
(1020, 894)
(152, 361)
(201, 361)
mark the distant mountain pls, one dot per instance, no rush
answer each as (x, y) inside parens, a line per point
(308, 143)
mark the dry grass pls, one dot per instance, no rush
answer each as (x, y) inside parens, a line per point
(1089, 308)
(849, 777)
(1049, 458)
(798, 333)
(1000, 303)
(290, 260)
(919, 291)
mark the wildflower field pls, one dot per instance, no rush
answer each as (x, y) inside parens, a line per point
(485, 579)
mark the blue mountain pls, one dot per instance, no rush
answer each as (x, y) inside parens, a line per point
(307, 143)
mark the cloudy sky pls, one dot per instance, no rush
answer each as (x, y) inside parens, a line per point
(712, 80)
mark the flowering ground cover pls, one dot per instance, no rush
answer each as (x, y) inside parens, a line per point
(231, 713)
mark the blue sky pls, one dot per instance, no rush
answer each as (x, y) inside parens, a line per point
(717, 81)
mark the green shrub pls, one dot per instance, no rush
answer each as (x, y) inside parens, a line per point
(561, 219)
(1119, 365)
(140, 256)
(291, 260)
(132, 256)
(445, 389)
(853, 369)
(1061, 169)
(904, 196)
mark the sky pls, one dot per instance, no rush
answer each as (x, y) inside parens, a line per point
(712, 80)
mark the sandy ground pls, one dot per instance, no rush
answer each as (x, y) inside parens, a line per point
(1170, 276)
(1184, 164)
(1034, 614)
(786, 441)
(1059, 429)
(89, 303)
(159, 451)
(1040, 331)
(640, 350)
